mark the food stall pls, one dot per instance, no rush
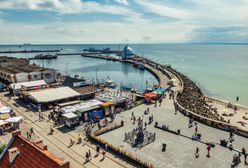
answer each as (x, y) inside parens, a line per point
(70, 119)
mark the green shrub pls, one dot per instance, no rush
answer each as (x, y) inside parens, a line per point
(2, 146)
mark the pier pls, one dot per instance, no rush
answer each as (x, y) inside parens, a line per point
(27, 51)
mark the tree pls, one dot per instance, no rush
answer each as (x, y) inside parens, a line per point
(2, 146)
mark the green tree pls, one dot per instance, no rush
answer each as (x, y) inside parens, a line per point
(2, 146)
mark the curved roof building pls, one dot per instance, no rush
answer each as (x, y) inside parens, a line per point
(127, 52)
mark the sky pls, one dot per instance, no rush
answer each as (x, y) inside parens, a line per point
(119, 21)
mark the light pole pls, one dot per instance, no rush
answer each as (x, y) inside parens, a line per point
(146, 84)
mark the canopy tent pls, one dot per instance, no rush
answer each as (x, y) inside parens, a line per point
(2, 122)
(106, 104)
(4, 116)
(53, 94)
(5, 109)
(14, 119)
(150, 95)
(81, 107)
(69, 115)
(159, 91)
(18, 86)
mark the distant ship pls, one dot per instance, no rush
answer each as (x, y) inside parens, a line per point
(46, 56)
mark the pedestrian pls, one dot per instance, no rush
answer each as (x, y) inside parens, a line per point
(197, 152)
(148, 110)
(103, 154)
(235, 109)
(246, 159)
(237, 98)
(243, 150)
(145, 125)
(106, 147)
(208, 149)
(31, 130)
(196, 129)
(89, 155)
(97, 150)
(27, 135)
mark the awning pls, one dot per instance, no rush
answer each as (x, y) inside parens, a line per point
(106, 104)
(2, 122)
(5, 109)
(69, 115)
(4, 116)
(150, 95)
(18, 86)
(88, 108)
(14, 119)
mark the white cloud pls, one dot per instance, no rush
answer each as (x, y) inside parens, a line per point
(123, 2)
(64, 6)
(163, 10)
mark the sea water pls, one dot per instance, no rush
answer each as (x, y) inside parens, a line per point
(220, 70)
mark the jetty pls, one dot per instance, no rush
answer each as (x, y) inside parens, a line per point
(26, 51)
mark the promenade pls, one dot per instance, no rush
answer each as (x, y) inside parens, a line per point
(180, 151)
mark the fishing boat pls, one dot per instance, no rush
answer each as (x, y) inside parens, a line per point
(46, 56)
(129, 87)
(109, 83)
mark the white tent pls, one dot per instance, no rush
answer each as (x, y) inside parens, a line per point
(14, 119)
(18, 86)
(2, 122)
(5, 109)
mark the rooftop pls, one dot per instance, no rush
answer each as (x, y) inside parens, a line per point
(30, 154)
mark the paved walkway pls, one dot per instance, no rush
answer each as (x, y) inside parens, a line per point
(180, 150)
(59, 141)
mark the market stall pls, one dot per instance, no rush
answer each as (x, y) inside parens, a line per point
(70, 119)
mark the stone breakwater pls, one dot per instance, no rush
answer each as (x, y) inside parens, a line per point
(192, 102)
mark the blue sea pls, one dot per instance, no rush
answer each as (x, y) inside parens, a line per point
(220, 70)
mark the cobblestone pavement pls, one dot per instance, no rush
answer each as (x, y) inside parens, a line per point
(180, 151)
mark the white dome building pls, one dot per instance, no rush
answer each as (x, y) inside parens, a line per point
(127, 53)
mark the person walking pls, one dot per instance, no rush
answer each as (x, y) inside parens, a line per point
(89, 155)
(196, 129)
(103, 154)
(197, 152)
(208, 149)
(97, 150)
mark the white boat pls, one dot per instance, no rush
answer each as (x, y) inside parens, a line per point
(109, 83)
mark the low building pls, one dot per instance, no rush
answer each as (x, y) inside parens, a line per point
(20, 153)
(16, 74)
(47, 98)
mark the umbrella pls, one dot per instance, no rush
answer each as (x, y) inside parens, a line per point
(14, 119)
(2, 122)
(5, 109)
(173, 80)
(224, 110)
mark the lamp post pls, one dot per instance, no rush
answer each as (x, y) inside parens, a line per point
(146, 84)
